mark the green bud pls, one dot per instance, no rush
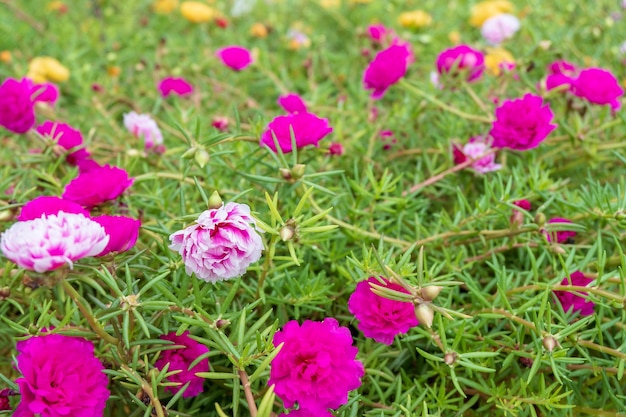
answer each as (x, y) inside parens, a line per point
(215, 201)
(298, 171)
(189, 153)
(201, 157)
(540, 219)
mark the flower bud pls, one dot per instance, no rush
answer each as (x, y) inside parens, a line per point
(424, 314)
(286, 233)
(189, 153)
(450, 358)
(201, 157)
(5, 292)
(431, 292)
(215, 201)
(298, 171)
(540, 219)
(549, 342)
(286, 174)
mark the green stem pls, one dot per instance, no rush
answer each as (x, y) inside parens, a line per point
(93, 323)
(443, 105)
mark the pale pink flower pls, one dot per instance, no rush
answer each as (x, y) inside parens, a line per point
(316, 366)
(173, 85)
(307, 129)
(61, 377)
(235, 57)
(49, 242)
(473, 149)
(387, 68)
(144, 127)
(499, 28)
(221, 245)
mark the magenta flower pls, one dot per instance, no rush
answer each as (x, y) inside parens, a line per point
(499, 28)
(5, 404)
(235, 57)
(308, 129)
(45, 93)
(51, 241)
(220, 123)
(379, 33)
(522, 124)
(386, 69)
(47, 205)
(144, 127)
(573, 299)
(173, 85)
(563, 67)
(98, 185)
(123, 232)
(17, 112)
(517, 218)
(180, 359)
(221, 245)
(562, 236)
(473, 149)
(336, 148)
(67, 137)
(303, 412)
(381, 318)
(61, 377)
(598, 86)
(292, 103)
(461, 60)
(316, 366)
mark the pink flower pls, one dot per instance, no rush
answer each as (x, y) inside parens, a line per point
(178, 86)
(46, 205)
(517, 218)
(292, 103)
(522, 124)
(180, 359)
(316, 366)
(235, 57)
(220, 123)
(562, 236)
(61, 377)
(381, 318)
(5, 404)
(461, 59)
(563, 67)
(573, 300)
(221, 245)
(67, 137)
(386, 69)
(17, 113)
(379, 33)
(308, 129)
(598, 86)
(303, 412)
(473, 149)
(389, 138)
(499, 28)
(53, 240)
(45, 93)
(336, 148)
(98, 185)
(123, 232)
(144, 127)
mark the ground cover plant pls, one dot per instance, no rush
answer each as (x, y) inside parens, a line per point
(312, 208)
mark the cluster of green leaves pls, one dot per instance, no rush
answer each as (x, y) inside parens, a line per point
(347, 217)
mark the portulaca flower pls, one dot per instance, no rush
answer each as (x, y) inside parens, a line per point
(221, 245)
(499, 28)
(51, 241)
(144, 127)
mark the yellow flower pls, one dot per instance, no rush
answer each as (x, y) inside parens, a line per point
(5, 56)
(454, 37)
(330, 4)
(44, 68)
(495, 57)
(486, 9)
(57, 6)
(164, 6)
(360, 1)
(258, 30)
(197, 12)
(415, 19)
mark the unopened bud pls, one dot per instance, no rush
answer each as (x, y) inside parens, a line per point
(298, 171)
(221, 323)
(540, 219)
(431, 292)
(5, 293)
(129, 302)
(6, 215)
(32, 329)
(450, 358)
(549, 342)
(215, 201)
(424, 314)
(201, 157)
(558, 249)
(189, 153)
(286, 233)
(286, 174)
(620, 215)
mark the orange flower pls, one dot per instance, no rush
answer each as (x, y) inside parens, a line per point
(164, 6)
(259, 30)
(5, 56)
